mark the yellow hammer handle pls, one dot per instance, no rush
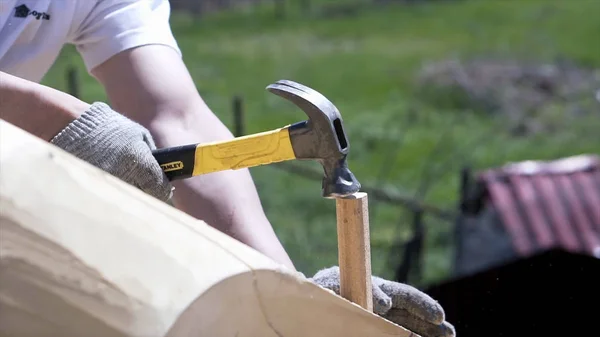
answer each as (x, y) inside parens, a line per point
(247, 151)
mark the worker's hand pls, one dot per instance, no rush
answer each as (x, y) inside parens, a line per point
(117, 145)
(399, 303)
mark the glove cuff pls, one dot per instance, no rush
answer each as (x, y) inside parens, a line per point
(96, 115)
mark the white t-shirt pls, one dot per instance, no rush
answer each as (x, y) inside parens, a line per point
(33, 32)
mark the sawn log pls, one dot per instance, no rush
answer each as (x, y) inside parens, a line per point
(85, 254)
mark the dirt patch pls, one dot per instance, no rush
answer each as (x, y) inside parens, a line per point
(535, 97)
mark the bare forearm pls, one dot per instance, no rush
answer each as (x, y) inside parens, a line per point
(151, 85)
(38, 109)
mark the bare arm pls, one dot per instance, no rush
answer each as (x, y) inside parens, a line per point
(151, 85)
(38, 109)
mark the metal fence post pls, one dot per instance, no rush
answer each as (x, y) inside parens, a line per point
(73, 82)
(238, 116)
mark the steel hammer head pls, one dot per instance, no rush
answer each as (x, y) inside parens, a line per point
(321, 138)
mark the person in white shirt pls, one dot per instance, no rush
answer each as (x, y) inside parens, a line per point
(128, 46)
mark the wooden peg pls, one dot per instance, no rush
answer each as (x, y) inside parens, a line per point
(354, 249)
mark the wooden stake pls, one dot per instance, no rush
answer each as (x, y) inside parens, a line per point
(354, 249)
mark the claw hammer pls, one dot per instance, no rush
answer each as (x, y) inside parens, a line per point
(321, 138)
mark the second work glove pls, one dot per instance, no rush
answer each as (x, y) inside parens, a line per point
(117, 145)
(399, 303)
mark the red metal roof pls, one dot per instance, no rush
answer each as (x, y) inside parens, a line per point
(549, 204)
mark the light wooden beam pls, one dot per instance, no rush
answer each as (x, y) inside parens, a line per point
(84, 254)
(354, 249)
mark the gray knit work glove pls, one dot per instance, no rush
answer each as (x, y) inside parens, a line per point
(117, 145)
(399, 303)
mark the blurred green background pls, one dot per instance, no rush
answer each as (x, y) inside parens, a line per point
(367, 57)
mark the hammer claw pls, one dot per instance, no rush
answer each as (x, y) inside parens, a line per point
(310, 93)
(302, 95)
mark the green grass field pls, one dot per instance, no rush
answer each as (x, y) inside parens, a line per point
(366, 65)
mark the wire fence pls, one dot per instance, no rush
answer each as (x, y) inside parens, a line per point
(405, 256)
